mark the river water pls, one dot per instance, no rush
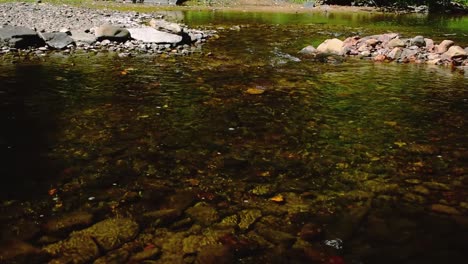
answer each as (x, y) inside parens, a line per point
(373, 154)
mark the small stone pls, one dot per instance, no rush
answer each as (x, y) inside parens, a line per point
(372, 42)
(444, 209)
(309, 50)
(380, 58)
(396, 42)
(421, 190)
(418, 41)
(395, 53)
(436, 186)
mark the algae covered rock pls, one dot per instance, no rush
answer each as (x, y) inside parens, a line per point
(248, 217)
(203, 214)
(111, 233)
(67, 222)
(80, 248)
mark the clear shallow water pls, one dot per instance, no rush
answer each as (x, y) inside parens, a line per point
(362, 149)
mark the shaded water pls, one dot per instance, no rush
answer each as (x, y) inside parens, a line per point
(362, 150)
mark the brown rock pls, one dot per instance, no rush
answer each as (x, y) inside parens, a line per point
(311, 232)
(380, 58)
(372, 42)
(395, 53)
(79, 248)
(455, 52)
(67, 222)
(396, 42)
(16, 251)
(429, 44)
(444, 46)
(444, 209)
(203, 214)
(215, 254)
(150, 253)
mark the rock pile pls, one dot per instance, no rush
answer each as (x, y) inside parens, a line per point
(392, 47)
(28, 27)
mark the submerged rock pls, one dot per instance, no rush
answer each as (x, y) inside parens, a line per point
(111, 233)
(67, 222)
(215, 254)
(445, 209)
(16, 251)
(80, 248)
(203, 214)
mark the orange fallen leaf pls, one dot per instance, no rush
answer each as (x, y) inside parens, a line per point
(277, 198)
(52, 191)
(255, 91)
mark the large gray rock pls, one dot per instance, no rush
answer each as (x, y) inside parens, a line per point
(19, 37)
(111, 32)
(334, 46)
(57, 40)
(151, 35)
(418, 41)
(83, 38)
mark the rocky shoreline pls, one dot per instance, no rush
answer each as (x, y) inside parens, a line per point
(391, 47)
(37, 29)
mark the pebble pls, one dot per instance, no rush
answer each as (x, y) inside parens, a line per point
(444, 209)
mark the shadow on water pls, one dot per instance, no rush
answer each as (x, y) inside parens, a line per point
(28, 125)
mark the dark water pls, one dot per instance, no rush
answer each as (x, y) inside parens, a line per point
(362, 149)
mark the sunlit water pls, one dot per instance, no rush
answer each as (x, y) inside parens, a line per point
(336, 136)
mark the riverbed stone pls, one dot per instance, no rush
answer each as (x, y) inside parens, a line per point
(164, 25)
(111, 32)
(444, 209)
(211, 254)
(17, 251)
(395, 53)
(309, 50)
(444, 46)
(80, 248)
(334, 46)
(19, 37)
(203, 214)
(81, 37)
(57, 40)
(151, 35)
(429, 44)
(396, 42)
(248, 217)
(418, 41)
(455, 52)
(67, 222)
(111, 233)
